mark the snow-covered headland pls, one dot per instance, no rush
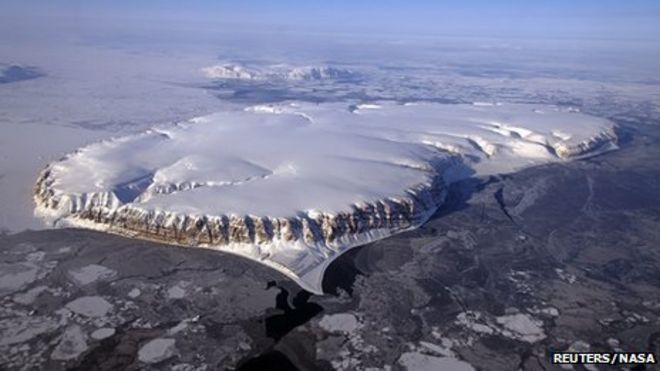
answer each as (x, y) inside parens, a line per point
(294, 185)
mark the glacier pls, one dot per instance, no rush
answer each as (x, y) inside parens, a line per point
(294, 185)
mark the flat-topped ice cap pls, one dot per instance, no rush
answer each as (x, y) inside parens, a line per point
(294, 185)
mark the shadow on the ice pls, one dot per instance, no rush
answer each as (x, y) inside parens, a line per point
(343, 271)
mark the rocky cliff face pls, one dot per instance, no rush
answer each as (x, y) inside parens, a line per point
(601, 141)
(312, 228)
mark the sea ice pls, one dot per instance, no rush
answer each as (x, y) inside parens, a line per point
(340, 322)
(422, 362)
(103, 333)
(523, 326)
(91, 273)
(156, 350)
(90, 306)
(71, 345)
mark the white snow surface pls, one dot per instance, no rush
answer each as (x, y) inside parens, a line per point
(304, 160)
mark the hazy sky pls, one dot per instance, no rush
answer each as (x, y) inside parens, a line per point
(608, 19)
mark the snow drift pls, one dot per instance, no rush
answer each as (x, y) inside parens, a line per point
(294, 185)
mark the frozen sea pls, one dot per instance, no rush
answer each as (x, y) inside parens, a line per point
(511, 268)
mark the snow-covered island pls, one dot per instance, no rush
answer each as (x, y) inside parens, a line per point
(275, 72)
(294, 185)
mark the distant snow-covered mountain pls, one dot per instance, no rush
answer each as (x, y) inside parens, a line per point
(277, 72)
